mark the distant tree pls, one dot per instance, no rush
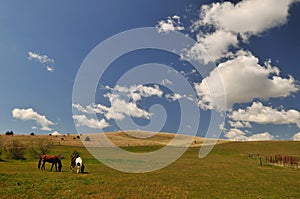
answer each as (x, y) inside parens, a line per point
(15, 150)
(87, 139)
(41, 148)
(32, 133)
(9, 133)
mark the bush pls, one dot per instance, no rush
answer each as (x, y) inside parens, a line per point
(15, 150)
(87, 139)
(9, 133)
(43, 147)
(32, 133)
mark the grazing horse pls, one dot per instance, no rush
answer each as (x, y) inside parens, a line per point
(77, 161)
(51, 159)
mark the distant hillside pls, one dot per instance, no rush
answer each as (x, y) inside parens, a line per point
(128, 138)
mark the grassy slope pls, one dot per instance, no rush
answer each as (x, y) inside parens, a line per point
(226, 172)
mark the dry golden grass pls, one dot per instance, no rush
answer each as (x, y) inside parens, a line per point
(29, 140)
(122, 139)
(143, 138)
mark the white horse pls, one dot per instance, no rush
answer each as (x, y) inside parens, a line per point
(79, 164)
(77, 161)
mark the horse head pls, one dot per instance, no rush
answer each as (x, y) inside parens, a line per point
(59, 164)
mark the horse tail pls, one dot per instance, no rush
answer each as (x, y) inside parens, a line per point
(40, 161)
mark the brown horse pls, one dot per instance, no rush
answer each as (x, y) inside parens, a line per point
(51, 159)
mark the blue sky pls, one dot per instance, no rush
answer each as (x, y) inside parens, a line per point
(43, 44)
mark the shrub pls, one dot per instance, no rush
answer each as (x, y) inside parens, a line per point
(15, 150)
(87, 139)
(32, 133)
(9, 133)
(43, 147)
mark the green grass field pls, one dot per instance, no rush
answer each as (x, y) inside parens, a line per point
(226, 172)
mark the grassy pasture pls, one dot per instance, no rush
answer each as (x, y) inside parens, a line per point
(226, 172)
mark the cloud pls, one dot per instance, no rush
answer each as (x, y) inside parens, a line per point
(171, 24)
(211, 47)
(42, 59)
(82, 120)
(260, 137)
(227, 24)
(296, 137)
(250, 17)
(239, 124)
(166, 82)
(50, 68)
(30, 114)
(120, 108)
(261, 114)
(243, 80)
(120, 104)
(238, 135)
(39, 58)
(55, 133)
(136, 92)
(174, 97)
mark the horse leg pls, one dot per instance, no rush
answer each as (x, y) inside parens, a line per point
(82, 168)
(52, 166)
(78, 169)
(43, 166)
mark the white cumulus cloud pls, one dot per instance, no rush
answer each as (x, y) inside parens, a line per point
(166, 82)
(296, 137)
(30, 114)
(229, 24)
(243, 80)
(55, 133)
(46, 62)
(260, 114)
(246, 17)
(123, 102)
(238, 135)
(239, 124)
(211, 47)
(171, 24)
(82, 120)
